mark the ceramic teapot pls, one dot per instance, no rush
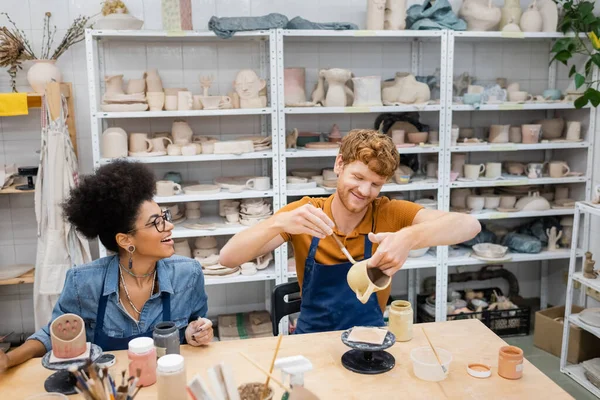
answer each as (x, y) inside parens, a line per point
(531, 20)
(481, 15)
(114, 143)
(365, 281)
(181, 132)
(336, 93)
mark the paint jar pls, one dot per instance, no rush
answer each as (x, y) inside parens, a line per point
(166, 338)
(171, 379)
(401, 320)
(510, 362)
(142, 355)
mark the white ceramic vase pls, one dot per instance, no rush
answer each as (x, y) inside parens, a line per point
(41, 73)
(531, 20)
(367, 91)
(294, 80)
(395, 15)
(375, 14)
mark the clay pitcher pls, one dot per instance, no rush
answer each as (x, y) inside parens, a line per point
(365, 281)
(294, 80)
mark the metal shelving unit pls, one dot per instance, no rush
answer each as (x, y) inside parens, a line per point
(576, 371)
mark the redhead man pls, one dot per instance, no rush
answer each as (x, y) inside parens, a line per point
(369, 226)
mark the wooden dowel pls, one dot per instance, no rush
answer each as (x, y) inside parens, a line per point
(266, 388)
(261, 369)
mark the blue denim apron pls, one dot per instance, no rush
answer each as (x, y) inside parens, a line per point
(108, 343)
(328, 303)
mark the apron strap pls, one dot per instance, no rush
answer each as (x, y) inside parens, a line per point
(166, 303)
(368, 247)
(313, 248)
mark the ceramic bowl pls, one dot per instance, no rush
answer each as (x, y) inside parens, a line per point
(552, 128)
(490, 250)
(418, 137)
(253, 391)
(418, 252)
(472, 98)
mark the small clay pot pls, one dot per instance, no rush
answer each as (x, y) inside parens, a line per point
(417, 137)
(67, 334)
(253, 391)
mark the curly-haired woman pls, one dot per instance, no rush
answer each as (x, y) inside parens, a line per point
(369, 226)
(125, 295)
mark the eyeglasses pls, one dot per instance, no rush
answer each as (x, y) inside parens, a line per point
(159, 222)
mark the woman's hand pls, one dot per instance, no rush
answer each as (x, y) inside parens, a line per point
(199, 332)
(3, 361)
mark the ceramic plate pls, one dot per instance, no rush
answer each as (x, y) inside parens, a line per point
(306, 173)
(202, 189)
(95, 352)
(492, 260)
(483, 178)
(199, 226)
(298, 186)
(507, 209)
(124, 107)
(405, 145)
(147, 154)
(575, 174)
(591, 316)
(461, 179)
(321, 145)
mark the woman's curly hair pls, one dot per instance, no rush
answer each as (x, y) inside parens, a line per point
(108, 202)
(372, 148)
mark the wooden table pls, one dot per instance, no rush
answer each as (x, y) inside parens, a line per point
(468, 340)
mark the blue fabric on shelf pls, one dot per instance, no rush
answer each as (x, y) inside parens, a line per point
(301, 23)
(228, 26)
(438, 15)
(520, 243)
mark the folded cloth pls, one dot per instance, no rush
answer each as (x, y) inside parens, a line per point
(438, 15)
(13, 104)
(228, 26)
(301, 23)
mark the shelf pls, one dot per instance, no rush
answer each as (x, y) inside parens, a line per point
(182, 114)
(359, 110)
(492, 214)
(588, 207)
(222, 228)
(12, 189)
(515, 106)
(591, 283)
(27, 277)
(574, 318)
(432, 185)
(257, 155)
(378, 35)
(304, 153)
(577, 373)
(511, 35)
(518, 146)
(516, 257)
(158, 35)
(182, 198)
(266, 274)
(518, 181)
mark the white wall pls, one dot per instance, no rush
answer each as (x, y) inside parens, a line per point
(19, 136)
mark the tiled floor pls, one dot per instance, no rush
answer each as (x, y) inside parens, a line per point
(549, 365)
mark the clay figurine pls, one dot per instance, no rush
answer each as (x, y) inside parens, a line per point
(553, 238)
(406, 90)
(337, 91)
(248, 86)
(462, 83)
(290, 140)
(481, 15)
(318, 94)
(395, 15)
(375, 14)
(588, 266)
(531, 20)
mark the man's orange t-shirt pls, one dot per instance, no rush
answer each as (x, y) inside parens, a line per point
(383, 215)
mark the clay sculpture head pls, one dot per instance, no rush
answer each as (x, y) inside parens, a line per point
(67, 334)
(248, 85)
(480, 15)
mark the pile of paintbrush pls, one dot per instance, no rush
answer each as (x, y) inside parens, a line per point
(95, 383)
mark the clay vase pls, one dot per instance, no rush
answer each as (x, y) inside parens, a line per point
(181, 132)
(531, 20)
(514, 134)
(153, 81)
(67, 334)
(499, 133)
(458, 197)
(367, 91)
(375, 14)
(114, 84)
(480, 15)
(294, 80)
(41, 73)
(114, 143)
(395, 15)
(511, 26)
(336, 93)
(511, 9)
(365, 281)
(531, 133)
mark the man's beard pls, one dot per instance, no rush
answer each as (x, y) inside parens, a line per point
(345, 199)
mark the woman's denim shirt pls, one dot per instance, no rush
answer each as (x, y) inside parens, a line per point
(180, 276)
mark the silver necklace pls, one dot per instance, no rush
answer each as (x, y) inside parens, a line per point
(134, 275)
(127, 292)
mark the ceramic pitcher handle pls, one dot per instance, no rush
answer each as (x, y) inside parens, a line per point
(167, 139)
(150, 145)
(481, 168)
(250, 183)
(177, 188)
(567, 169)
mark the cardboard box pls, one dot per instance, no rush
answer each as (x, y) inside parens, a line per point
(548, 336)
(245, 325)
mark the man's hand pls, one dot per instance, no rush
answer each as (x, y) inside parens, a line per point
(306, 219)
(392, 251)
(199, 332)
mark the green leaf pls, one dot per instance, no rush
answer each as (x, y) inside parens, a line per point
(560, 45)
(572, 71)
(579, 80)
(581, 102)
(596, 59)
(563, 56)
(588, 67)
(585, 8)
(593, 96)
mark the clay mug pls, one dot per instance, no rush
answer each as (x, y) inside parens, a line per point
(259, 183)
(491, 202)
(139, 142)
(475, 203)
(493, 170)
(499, 133)
(184, 101)
(552, 94)
(136, 86)
(558, 169)
(534, 170)
(225, 102)
(398, 136)
(174, 150)
(156, 100)
(434, 137)
(519, 96)
(171, 102)
(232, 216)
(508, 201)
(515, 168)
(573, 131)
(189, 149)
(329, 175)
(208, 147)
(514, 134)
(454, 136)
(513, 87)
(365, 281)
(158, 143)
(67, 334)
(174, 209)
(192, 205)
(531, 133)
(458, 161)
(561, 192)
(472, 171)
(197, 102)
(430, 169)
(167, 188)
(192, 214)
(458, 197)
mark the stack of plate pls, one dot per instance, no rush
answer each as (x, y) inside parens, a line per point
(252, 211)
(260, 142)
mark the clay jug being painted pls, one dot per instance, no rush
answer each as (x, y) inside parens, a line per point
(365, 281)
(531, 20)
(367, 91)
(336, 93)
(293, 85)
(181, 132)
(41, 73)
(114, 143)
(511, 9)
(114, 84)
(395, 15)
(480, 15)
(375, 14)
